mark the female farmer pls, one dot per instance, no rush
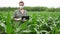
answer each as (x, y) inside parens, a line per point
(20, 12)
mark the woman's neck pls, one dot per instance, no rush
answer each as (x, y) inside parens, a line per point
(22, 11)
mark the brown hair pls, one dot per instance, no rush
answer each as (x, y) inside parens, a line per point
(21, 2)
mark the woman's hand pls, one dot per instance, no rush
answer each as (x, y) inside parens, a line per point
(17, 19)
(24, 19)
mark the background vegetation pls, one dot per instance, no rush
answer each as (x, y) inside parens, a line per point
(32, 9)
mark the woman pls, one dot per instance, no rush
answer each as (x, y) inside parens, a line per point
(17, 17)
(20, 12)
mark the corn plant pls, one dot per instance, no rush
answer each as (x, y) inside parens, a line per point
(37, 24)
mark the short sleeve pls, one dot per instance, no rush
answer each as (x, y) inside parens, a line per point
(14, 14)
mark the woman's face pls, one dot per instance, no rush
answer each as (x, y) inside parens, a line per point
(21, 4)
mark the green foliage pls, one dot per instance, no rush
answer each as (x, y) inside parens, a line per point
(9, 28)
(51, 10)
(39, 23)
(32, 9)
(58, 9)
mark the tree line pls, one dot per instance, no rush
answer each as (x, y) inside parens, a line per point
(31, 9)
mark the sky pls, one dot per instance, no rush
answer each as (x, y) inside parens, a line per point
(32, 3)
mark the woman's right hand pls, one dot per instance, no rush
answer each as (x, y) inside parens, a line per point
(17, 19)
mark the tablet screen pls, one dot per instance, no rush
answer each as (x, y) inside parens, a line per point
(26, 17)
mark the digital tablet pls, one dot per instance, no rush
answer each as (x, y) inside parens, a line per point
(26, 17)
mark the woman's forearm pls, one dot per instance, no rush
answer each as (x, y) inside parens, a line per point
(17, 19)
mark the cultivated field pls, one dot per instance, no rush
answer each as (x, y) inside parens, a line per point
(39, 23)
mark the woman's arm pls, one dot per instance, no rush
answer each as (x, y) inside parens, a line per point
(16, 19)
(15, 16)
